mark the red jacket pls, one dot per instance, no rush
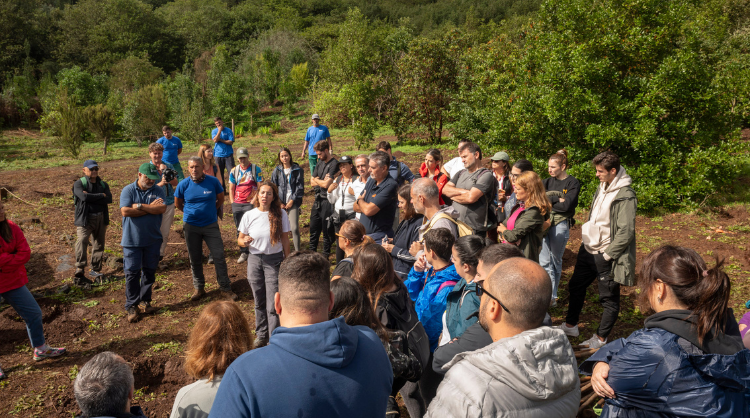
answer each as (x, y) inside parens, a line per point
(13, 256)
(441, 179)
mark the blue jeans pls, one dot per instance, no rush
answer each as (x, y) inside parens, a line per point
(553, 248)
(22, 301)
(140, 272)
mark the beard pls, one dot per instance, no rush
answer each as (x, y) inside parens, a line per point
(483, 319)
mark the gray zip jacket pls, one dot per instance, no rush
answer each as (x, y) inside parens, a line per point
(532, 374)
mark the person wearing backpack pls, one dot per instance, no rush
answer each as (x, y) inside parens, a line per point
(373, 269)
(91, 196)
(425, 198)
(472, 191)
(243, 184)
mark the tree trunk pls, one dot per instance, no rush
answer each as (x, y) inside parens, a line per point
(105, 145)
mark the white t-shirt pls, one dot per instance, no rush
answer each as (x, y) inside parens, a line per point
(289, 185)
(340, 197)
(358, 187)
(454, 166)
(255, 224)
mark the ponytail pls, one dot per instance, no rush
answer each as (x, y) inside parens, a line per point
(561, 157)
(703, 291)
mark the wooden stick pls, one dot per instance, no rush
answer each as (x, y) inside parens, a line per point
(585, 353)
(585, 378)
(587, 402)
(600, 403)
(585, 388)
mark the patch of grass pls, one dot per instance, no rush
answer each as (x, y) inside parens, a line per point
(173, 347)
(142, 394)
(90, 304)
(26, 403)
(73, 372)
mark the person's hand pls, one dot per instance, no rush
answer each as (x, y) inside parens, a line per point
(289, 205)
(328, 176)
(421, 264)
(388, 247)
(599, 381)
(158, 202)
(501, 194)
(562, 199)
(501, 228)
(247, 240)
(415, 248)
(546, 225)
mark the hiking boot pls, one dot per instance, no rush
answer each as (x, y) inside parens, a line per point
(47, 352)
(210, 259)
(229, 294)
(392, 410)
(83, 282)
(95, 274)
(133, 314)
(242, 259)
(148, 309)
(594, 342)
(198, 294)
(569, 331)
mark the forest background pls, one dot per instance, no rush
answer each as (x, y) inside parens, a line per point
(665, 84)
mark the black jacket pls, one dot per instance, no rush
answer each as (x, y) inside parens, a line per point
(102, 195)
(297, 183)
(407, 232)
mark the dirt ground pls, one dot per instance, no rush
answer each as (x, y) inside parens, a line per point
(88, 322)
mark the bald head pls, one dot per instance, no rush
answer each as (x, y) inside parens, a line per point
(525, 289)
(428, 189)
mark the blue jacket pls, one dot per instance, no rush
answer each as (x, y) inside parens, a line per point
(407, 232)
(654, 376)
(428, 302)
(329, 369)
(462, 303)
(297, 183)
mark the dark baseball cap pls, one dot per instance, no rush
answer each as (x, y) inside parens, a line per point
(149, 170)
(90, 164)
(345, 159)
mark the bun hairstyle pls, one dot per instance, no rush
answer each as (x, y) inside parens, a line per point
(355, 232)
(561, 157)
(469, 248)
(705, 291)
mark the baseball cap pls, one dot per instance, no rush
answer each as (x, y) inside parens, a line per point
(315, 116)
(345, 159)
(242, 152)
(90, 164)
(149, 170)
(500, 156)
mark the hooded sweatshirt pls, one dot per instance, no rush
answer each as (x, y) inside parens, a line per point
(328, 369)
(532, 374)
(596, 232)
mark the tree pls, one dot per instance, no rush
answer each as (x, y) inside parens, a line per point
(145, 112)
(84, 88)
(200, 24)
(66, 123)
(186, 106)
(133, 73)
(101, 122)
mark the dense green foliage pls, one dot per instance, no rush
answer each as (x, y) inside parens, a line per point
(664, 84)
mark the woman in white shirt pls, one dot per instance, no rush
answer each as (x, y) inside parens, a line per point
(343, 202)
(265, 230)
(361, 164)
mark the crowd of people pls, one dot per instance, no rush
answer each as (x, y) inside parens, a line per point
(440, 292)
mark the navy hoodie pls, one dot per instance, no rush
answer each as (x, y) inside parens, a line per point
(329, 369)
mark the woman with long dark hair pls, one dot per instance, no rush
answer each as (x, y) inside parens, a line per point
(290, 180)
(265, 230)
(351, 235)
(431, 168)
(220, 335)
(524, 225)
(407, 232)
(562, 190)
(14, 254)
(685, 363)
(462, 301)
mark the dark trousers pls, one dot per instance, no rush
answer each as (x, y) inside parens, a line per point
(418, 395)
(319, 214)
(224, 162)
(238, 211)
(194, 238)
(139, 264)
(590, 267)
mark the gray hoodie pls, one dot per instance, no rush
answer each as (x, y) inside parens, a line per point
(532, 374)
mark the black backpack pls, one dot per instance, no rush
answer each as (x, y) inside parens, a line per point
(417, 340)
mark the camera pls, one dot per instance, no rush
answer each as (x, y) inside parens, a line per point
(169, 174)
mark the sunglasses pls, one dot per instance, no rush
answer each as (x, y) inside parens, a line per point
(482, 291)
(94, 169)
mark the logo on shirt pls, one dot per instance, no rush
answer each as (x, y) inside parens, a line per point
(374, 195)
(207, 192)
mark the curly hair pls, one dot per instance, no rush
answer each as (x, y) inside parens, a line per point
(530, 181)
(274, 213)
(220, 335)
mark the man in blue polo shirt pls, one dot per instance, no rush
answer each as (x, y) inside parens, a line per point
(199, 197)
(142, 206)
(378, 201)
(223, 138)
(172, 148)
(315, 134)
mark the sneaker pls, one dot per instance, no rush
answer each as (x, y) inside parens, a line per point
(392, 410)
(133, 314)
(198, 294)
(570, 332)
(148, 309)
(49, 352)
(229, 294)
(95, 274)
(210, 259)
(594, 342)
(553, 303)
(242, 259)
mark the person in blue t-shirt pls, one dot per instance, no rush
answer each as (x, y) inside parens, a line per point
(199, 197)
(142, 206)
(172, 148)
(315, 134)
(223, 138)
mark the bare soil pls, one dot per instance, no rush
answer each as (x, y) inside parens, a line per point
(88, 322)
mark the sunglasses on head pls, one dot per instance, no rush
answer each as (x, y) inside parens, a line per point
(482, 291)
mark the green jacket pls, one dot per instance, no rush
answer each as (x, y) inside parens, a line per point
(527, 229)
(621, 248)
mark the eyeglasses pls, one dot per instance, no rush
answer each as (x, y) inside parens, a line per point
(482, 291)
(513, 176)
